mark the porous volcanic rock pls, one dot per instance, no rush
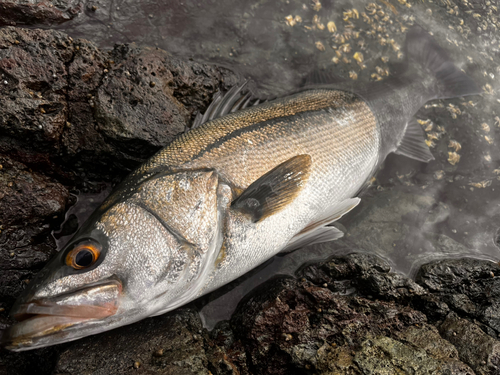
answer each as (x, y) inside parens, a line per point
(71, 109)
(45, 12)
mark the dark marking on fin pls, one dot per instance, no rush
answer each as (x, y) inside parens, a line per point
(275, 190)
(413, 143)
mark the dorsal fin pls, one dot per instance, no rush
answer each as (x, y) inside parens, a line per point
(413, 143)
(275, 190)
(319, 77)
(224, 103)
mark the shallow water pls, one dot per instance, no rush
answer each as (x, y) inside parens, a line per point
(414, 212)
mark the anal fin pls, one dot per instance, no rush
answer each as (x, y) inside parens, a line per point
(413, 143)
(318, 230)
(274, 190)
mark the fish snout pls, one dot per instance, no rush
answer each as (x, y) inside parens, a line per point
(43, 317)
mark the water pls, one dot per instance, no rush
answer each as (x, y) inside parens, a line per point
(414, 212)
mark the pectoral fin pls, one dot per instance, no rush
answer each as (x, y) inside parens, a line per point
(274, 190)
(318, 230)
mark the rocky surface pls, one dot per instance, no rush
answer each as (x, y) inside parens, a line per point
(348, 315)
(45, 12)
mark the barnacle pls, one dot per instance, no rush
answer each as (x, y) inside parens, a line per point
(331, 27)
(453, 158)
(320, 46)
(455, 145)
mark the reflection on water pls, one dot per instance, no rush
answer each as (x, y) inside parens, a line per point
(414, 212)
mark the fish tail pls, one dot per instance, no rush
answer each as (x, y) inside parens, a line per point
(448, 80)
(427, 73)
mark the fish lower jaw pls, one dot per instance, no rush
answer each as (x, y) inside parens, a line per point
(29, 333)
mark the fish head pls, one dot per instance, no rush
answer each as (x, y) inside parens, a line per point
(147, 253)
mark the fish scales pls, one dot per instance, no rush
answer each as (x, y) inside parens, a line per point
(267, 132)
(336, 128)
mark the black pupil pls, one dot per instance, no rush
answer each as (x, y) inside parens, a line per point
(84, 258)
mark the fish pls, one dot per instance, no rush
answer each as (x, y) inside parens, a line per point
(248, 181)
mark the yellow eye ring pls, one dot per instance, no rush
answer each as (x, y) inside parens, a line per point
(84, 255)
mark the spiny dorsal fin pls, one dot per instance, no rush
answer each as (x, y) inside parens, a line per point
(274, 190)
(413, 143)
(318, 230)
(224, 103)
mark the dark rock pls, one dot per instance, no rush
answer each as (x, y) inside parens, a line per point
(470, 287)
(289, 326)
(28, 197)
(431, 306)
(226, 355)
(475, 347)
(169, 344)
(31, 205)
(367, 273)
(18, 12)
(70, 108)
(40, 362)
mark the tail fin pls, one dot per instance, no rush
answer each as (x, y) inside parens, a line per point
(450, 81)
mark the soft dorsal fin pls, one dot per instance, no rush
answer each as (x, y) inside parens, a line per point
(274, 190)
(319, 77)
(318, 230)
(224, 103)
(413, 143)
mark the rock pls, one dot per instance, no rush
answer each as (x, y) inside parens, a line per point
(367, 273)
(226, 354)
(18, 12)
(27, 197)
(476, 348)
(168, 344)
(70, 108)
(289, 326)
(40, 362)
(470, 287)
(31, 205)
(387, 356)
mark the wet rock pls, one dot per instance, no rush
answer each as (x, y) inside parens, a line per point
(18, 12)
(470, 287)
(290, 326)
(28, 197)
(40, 362)
(225, 353)
(34, 83)
(31, 205)
(474, 346)
(169, 344)
(70, 108)
(366, 273)
(387, 356)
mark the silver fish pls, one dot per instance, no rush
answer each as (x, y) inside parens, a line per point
(245, 184)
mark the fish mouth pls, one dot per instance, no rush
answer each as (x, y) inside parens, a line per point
(46, 318)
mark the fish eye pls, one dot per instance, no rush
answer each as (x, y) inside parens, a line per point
(83, 255)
